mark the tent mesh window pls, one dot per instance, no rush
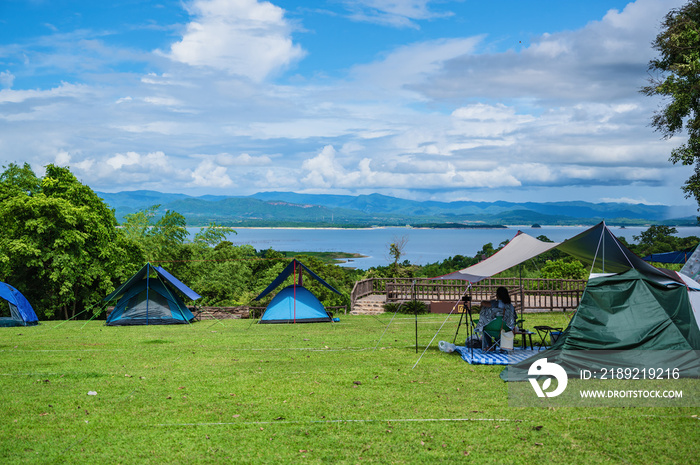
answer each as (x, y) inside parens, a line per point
(5, 309)
(14, 311)
(139, 308)
(9, 315)
(9, 311)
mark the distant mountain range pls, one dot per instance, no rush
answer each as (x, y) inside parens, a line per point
(268, 209)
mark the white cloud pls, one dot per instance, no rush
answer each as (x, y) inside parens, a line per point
(412, 64)
(628, 200)
(160, 127)
(65, 90)
(164, 101)
(128, 170)
(244, 159)
(208, 174)
(242, 37)
(130, 159)
(440, 114)
(396, 13)
(62, 158)
(324, 170)
(6, 79)
(606, 60)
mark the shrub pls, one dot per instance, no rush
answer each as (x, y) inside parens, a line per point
(563, 269)
(410, 307)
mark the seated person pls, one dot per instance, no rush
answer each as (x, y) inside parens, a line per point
(502, 307)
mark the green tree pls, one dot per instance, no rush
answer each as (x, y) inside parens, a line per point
(16, 180)
(396, 251)
(563, 269)
(59, 243)
(660, 239)
(656, 239)
(213, 234)
(222, 275)
(677, 77)
(159, 239)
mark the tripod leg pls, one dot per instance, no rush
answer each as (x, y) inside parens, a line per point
(458, 325)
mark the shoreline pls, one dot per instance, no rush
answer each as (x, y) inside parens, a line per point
(521, 227)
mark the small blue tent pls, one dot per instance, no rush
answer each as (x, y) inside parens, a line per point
(20, 313)
(150, 300)
(295, 303)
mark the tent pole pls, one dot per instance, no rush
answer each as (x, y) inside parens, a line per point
(522, 292)
(148, 288)
(415, 310)
(604, 228)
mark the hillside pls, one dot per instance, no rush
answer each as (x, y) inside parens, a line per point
(307, 210)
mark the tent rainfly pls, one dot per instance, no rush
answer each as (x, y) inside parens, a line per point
(150, 300)
(20, 310)
(295, 303)
(634, 316)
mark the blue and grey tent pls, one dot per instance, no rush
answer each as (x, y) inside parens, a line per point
(16, 309)
(295, 303)
(150, 300)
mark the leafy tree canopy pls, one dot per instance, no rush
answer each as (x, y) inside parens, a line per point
(59, 244)
(677, 78)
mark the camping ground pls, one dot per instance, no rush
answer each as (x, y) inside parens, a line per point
(232, 391)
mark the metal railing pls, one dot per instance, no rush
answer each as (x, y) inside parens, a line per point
(542, 294)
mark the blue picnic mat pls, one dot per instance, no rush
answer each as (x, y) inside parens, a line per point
(479, 357)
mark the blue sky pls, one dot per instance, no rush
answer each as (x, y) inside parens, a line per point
(429, 100)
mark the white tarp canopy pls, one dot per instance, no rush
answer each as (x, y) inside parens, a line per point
(521, 248)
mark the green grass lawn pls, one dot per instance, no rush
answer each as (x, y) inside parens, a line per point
(232, 392)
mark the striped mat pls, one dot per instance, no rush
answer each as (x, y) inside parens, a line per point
(479, 357)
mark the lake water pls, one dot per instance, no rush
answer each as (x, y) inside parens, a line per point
(423, 246)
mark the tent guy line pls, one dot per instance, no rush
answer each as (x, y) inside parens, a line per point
(62, 350)
(408, 420)
(399, 420)
(441, 326)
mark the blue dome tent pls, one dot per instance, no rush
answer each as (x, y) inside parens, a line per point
(150, 300)
(20, 313)
(294, 303)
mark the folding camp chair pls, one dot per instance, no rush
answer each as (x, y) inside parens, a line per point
(493, 331)
(543, 332)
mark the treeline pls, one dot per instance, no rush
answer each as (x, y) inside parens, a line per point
(63, 248)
